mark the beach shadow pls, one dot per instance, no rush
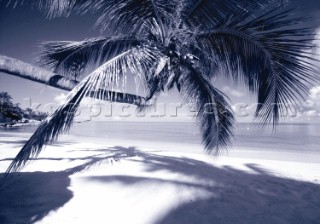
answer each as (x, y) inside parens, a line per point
(237, 196)
(27, 197)
(256, 197)
(104, 156)
(240, 197)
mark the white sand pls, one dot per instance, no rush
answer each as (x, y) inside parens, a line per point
(87, 180)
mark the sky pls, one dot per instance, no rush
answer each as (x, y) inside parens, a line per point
(24, 27)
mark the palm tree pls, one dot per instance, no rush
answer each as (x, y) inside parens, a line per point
(180, 44)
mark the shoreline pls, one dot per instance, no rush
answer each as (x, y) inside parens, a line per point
(18, 125)
(235, 151)
(16, 140)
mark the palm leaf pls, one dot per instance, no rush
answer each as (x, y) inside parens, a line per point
(213, 111)
(156, 79)
(154, 82)
(53, 8)
(267, 56)
(60, 121)
(104, 77)
(74, 58)
(210, 12)
(125, 16)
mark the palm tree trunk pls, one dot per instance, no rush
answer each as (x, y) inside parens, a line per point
(36, 74)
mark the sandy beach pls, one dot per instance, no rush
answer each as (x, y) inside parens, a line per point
(95, 180)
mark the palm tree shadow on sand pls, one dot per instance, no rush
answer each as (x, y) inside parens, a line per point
(29, 196)
(237, 196)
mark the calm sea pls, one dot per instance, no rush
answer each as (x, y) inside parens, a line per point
(287, 136)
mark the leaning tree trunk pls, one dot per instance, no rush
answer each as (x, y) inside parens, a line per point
(36, 74)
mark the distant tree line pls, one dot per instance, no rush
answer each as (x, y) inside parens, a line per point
(12, 112)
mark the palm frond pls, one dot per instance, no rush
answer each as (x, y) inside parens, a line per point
(157, 77)
(59, 122)
(210, 12)
(213, 111)
(73, 58)
(154, 82)
(267, 56)
(104, 77)
(53, 8)
(127, 16)
(122, 16)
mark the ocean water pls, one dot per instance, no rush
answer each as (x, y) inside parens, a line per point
(304, 137)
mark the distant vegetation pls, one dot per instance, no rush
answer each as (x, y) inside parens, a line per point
(12, 113)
